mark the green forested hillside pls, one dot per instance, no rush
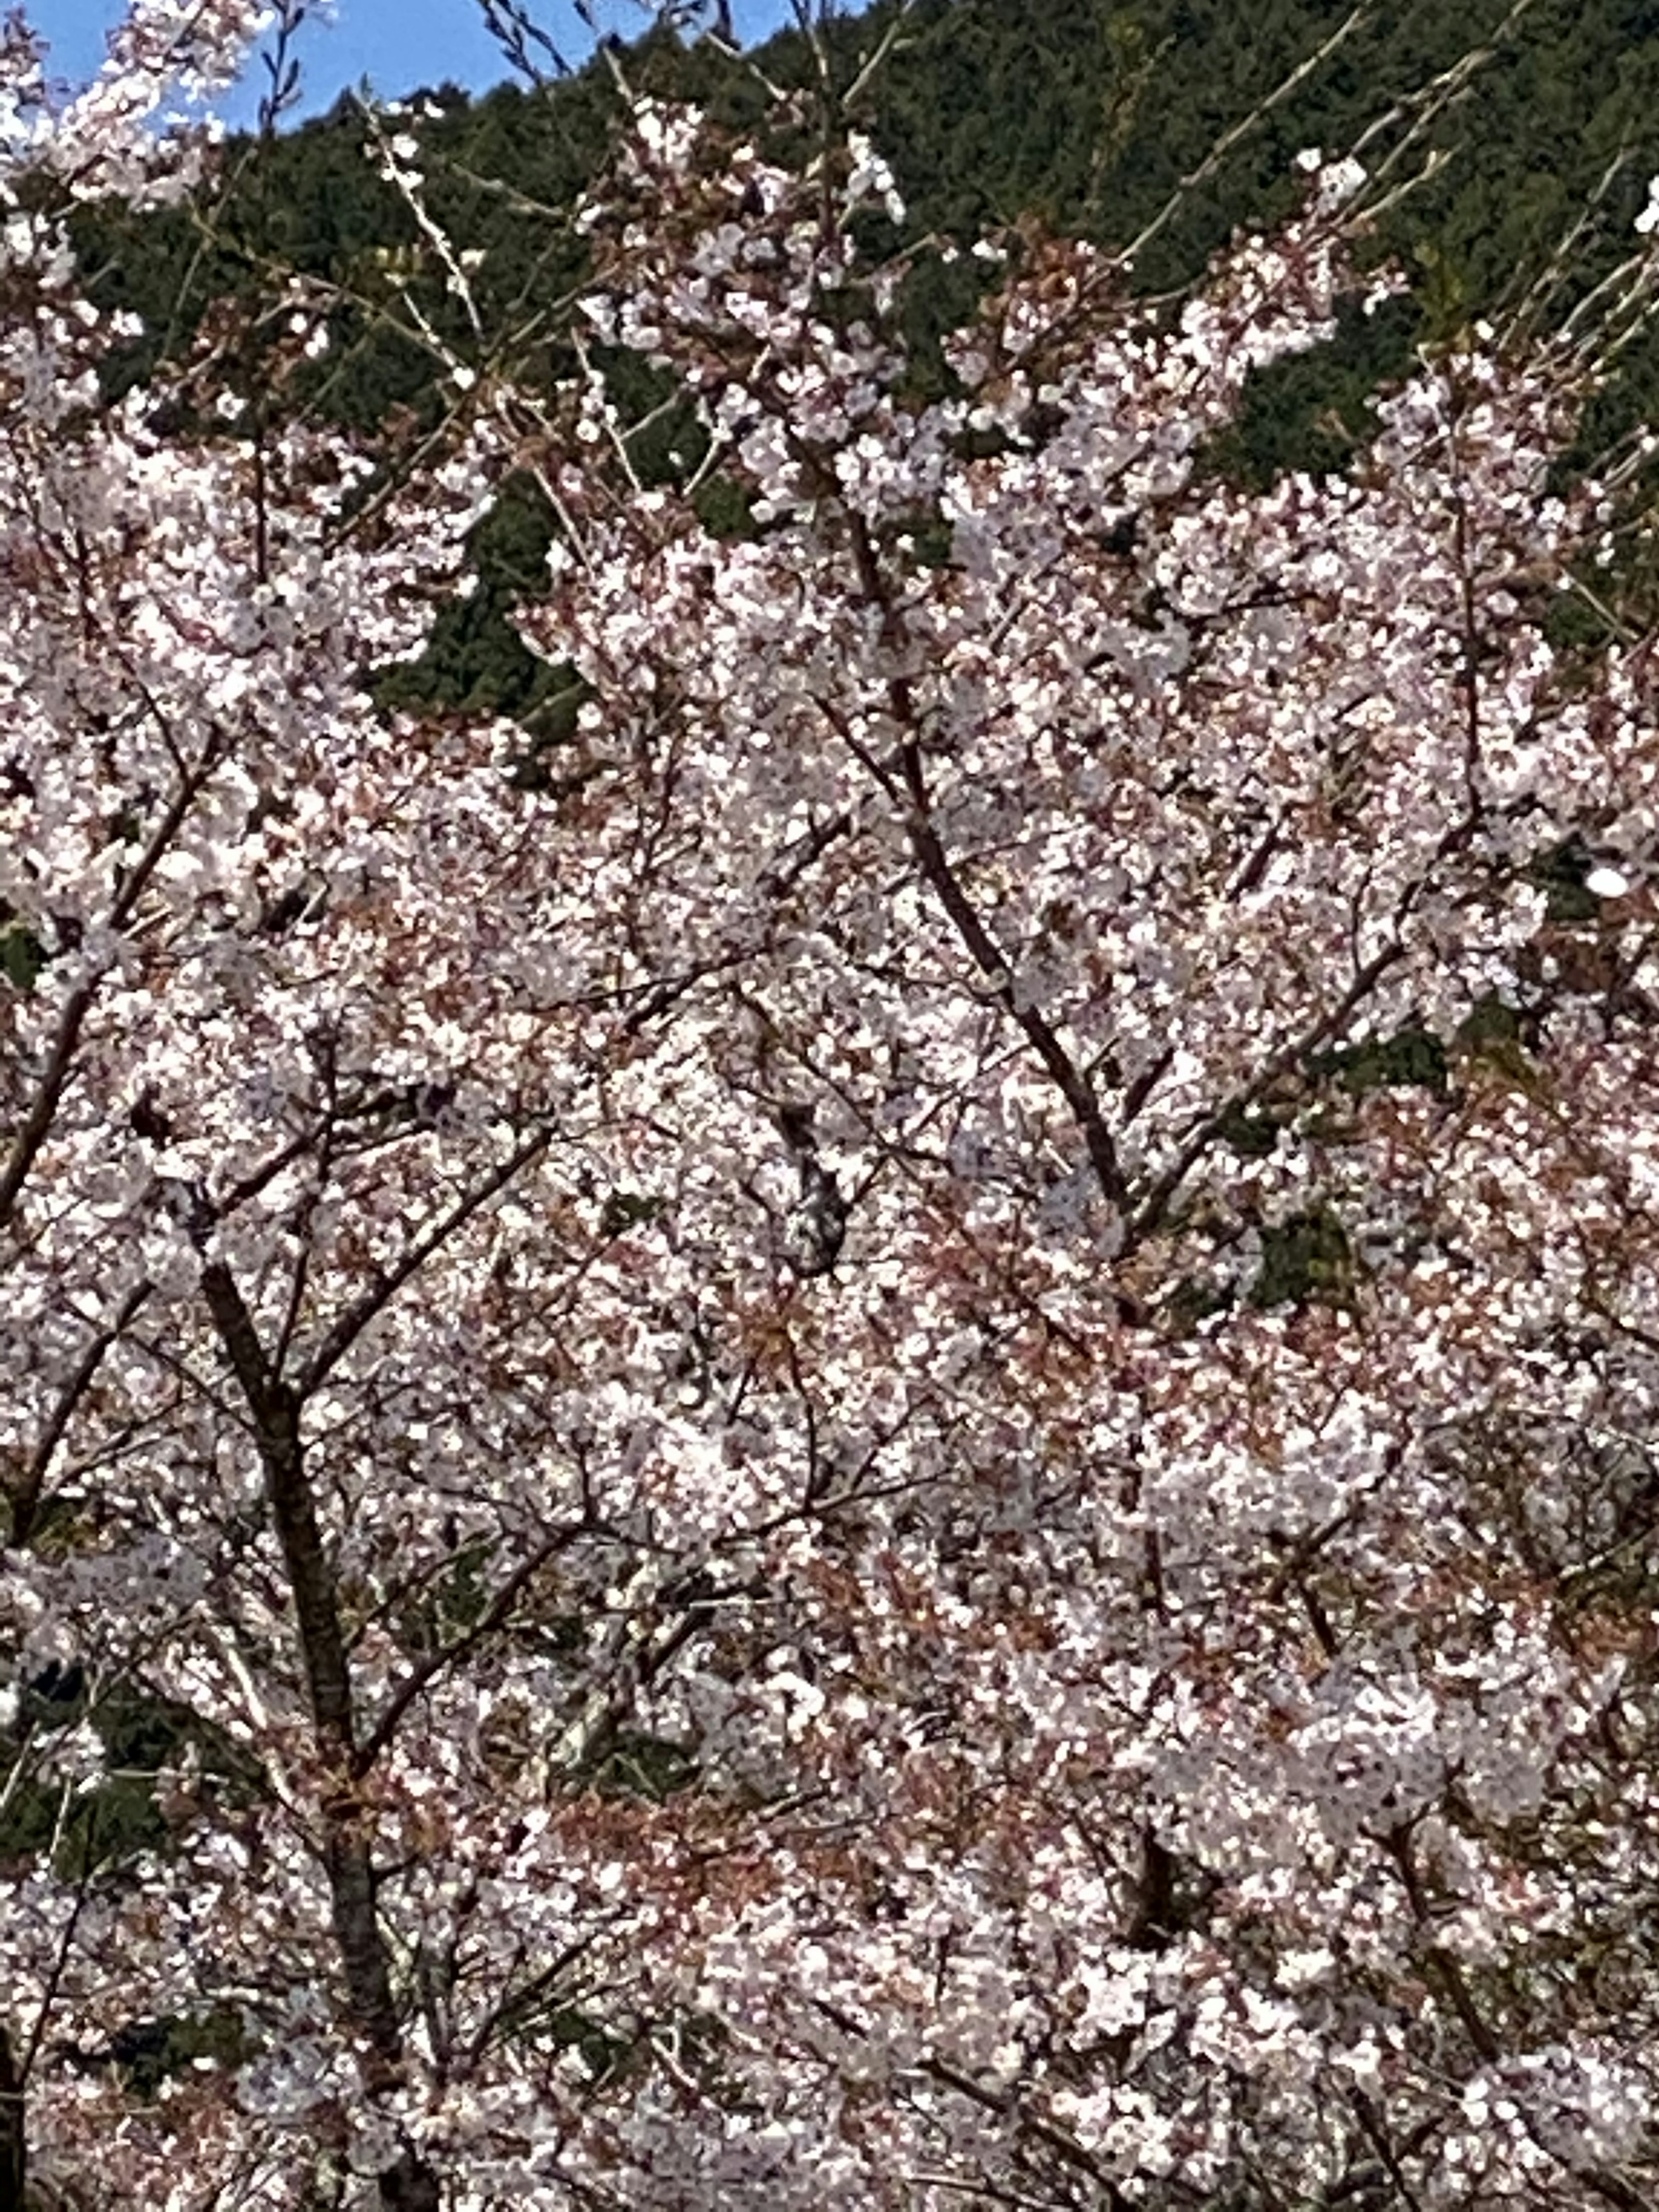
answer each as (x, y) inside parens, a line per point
(1539, 124)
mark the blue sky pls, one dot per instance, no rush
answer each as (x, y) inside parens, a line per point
(398, 45)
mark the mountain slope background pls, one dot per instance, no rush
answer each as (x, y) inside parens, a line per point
(1526, 133)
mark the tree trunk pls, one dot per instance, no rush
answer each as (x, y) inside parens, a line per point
(411, 2186)
(14, 2160)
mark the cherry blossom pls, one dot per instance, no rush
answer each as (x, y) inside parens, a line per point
(889, 1445)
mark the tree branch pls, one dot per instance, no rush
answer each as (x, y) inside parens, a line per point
(427, 1669)
(357, 1317)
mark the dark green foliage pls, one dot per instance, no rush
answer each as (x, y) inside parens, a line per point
(722, 506)
(1083, 116)
(1505, 1041)
(545, 2012)
(1310, 411)
(56, 1698)
(1090, 113)
(475, 662)
(22, 955)
(1305, 1258)
(446, 1609)
(1561, 874)
(924, 539)
(149, 2053)
(1175, 1897)
(633, 1763)
(1411, 1057)
(557, 1635)
(464, 1593)
(102, 1826)
(1194, 1299)
(1491, 1021)
(626, 1209)
(1250, 1133)
(570, 2028)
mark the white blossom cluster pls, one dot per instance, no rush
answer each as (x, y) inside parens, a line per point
(898, 1449)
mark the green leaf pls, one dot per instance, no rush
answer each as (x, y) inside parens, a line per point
(1305, 1259)
(22, 955)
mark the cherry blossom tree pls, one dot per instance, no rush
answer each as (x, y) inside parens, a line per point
(889, 1446)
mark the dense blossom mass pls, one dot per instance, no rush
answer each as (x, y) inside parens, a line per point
(889, 1445)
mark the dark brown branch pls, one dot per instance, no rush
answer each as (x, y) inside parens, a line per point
(1447, 1971)
(411, 2186)
(1006, 2105)
(14, 2161)
(1366, 2115)
(428, 1669)
(929, 849)
(1065, 2148)
(356, 1317)
(1149, 1214)
(26, 1498)
(37, 1121)
(72, 1015)
(165, 830)
(1064, 1072)
(987, 955)
(275, 1406)
(512, 2007)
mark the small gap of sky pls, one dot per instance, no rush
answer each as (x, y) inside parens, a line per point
(398, 46)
